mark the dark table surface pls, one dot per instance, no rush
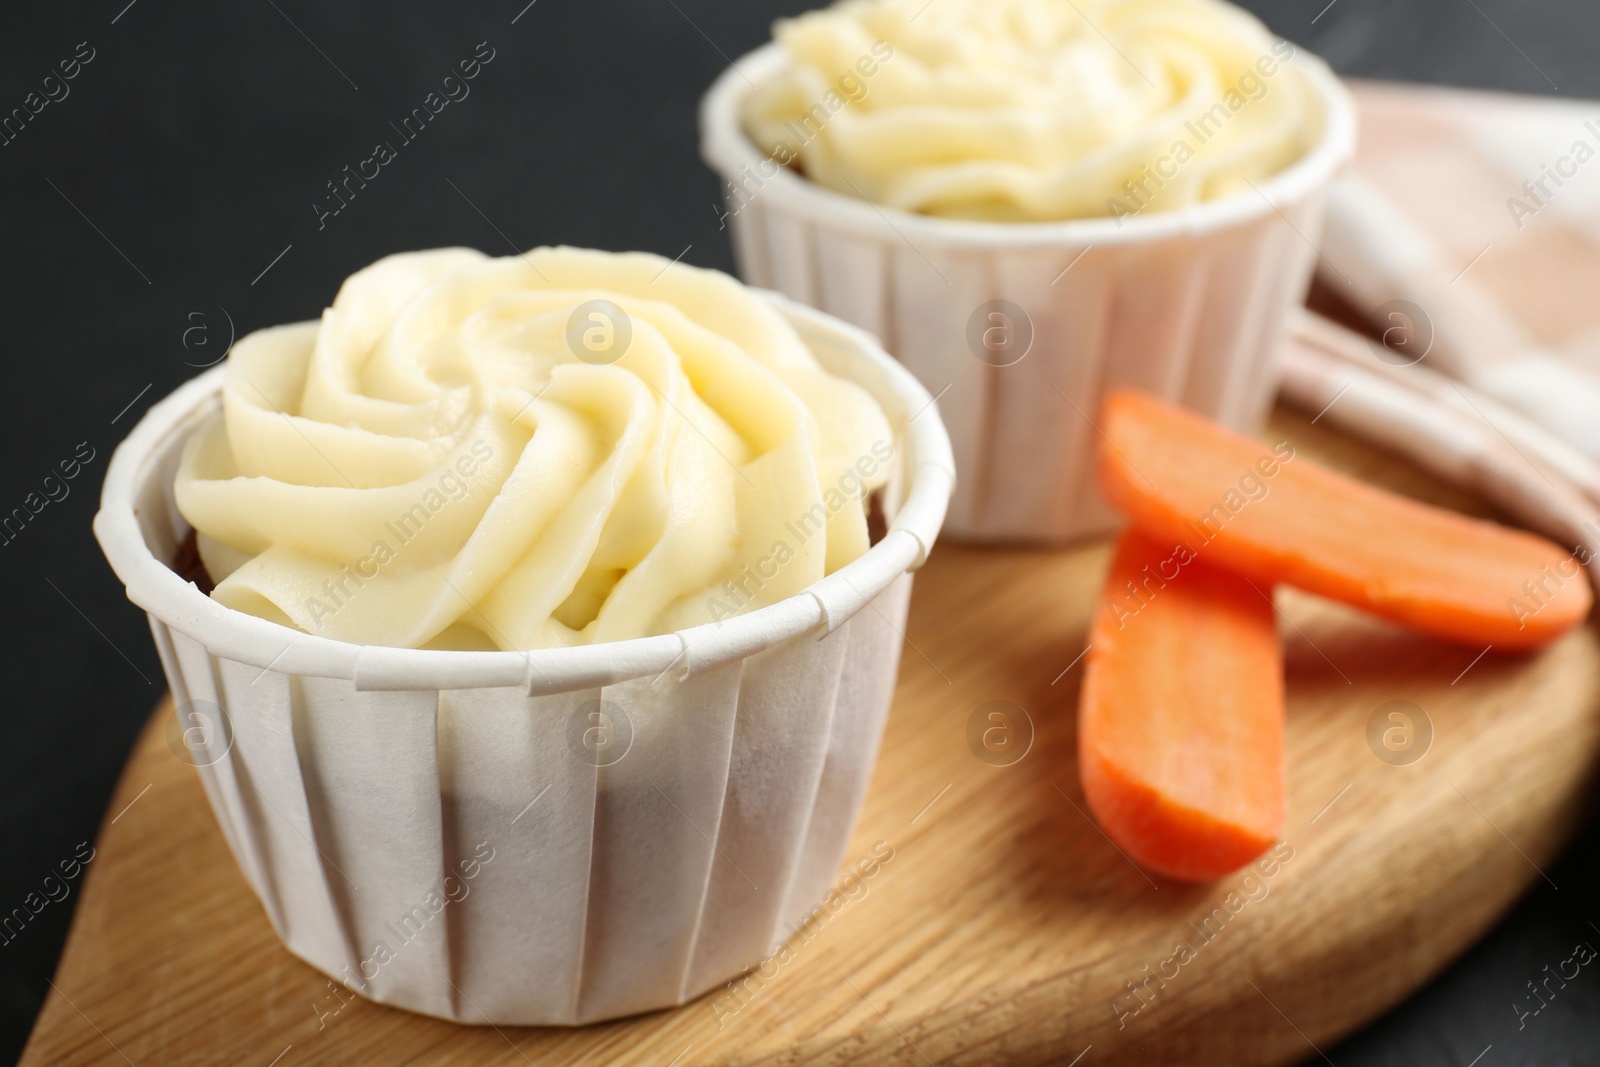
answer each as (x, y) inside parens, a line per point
(171, 191)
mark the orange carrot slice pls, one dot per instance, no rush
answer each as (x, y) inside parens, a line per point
(1261, 511)
(1180, 724)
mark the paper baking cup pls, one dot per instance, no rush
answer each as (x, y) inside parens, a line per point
(1188, 305)
(446, 831)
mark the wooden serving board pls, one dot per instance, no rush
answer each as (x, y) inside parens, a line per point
(1005, 927)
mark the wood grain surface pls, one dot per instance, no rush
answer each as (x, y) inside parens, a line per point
(1005, 928)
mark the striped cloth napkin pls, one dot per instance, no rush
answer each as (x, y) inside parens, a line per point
(1470, 224)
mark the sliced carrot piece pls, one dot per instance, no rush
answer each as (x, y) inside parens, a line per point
(1180, 724)
(1263, 512)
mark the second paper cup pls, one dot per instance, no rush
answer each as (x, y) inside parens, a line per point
(1021, 328)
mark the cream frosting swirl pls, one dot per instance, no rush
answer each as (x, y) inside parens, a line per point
(559, 448)
(1031, 110)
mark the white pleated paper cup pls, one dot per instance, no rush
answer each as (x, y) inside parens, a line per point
(1189, 305)
(552, 837)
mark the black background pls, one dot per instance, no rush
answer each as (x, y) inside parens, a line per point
(188, 155)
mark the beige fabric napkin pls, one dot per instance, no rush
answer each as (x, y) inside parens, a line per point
(1482, 210)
